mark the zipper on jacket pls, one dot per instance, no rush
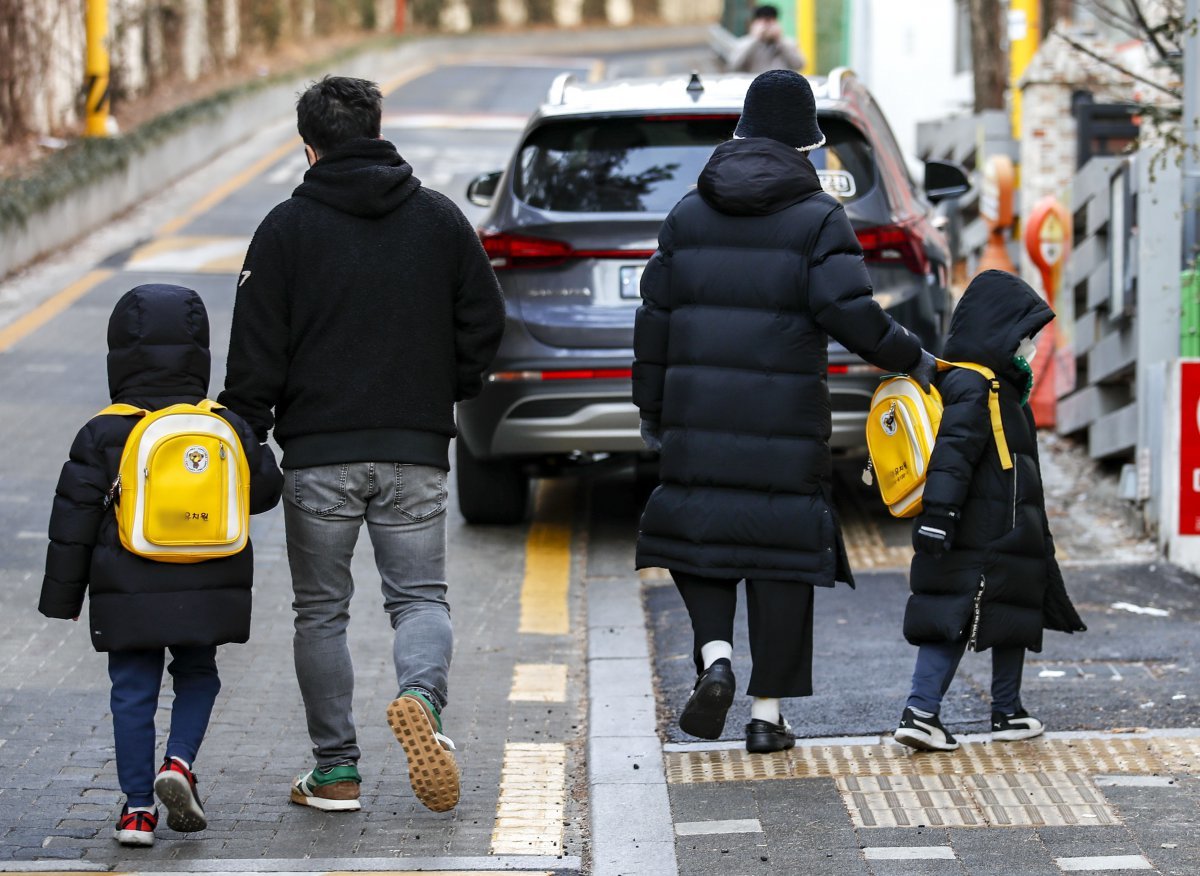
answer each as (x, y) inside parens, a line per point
(973, 641)
(1016, 468)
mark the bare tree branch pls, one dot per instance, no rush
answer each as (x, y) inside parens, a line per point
(1149, 33)
(1079, 47)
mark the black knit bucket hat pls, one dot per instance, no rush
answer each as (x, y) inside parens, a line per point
(780, 105)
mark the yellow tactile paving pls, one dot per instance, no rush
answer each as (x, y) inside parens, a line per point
(539, 683)
(529, 813)
(865, 544)
(1042, 782)
(545, 587)
(1101, 756)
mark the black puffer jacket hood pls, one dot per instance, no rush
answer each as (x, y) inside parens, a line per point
(158, 344)
(995, 313)
(756, 177)
(362, 177)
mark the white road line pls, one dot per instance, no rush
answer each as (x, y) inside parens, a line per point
(290, 170)
(456, 121)
(1103, 862)
(703, 828)
(1134, 782)
(29, 535)
(909, 853)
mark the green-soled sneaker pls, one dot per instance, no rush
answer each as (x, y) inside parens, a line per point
(333, 789)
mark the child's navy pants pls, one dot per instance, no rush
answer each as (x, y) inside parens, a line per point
(937, 663)
(136, 680)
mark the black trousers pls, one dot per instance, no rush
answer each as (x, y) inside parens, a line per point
(780, 615)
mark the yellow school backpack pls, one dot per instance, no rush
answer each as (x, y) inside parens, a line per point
(901, 429)
(183, 488)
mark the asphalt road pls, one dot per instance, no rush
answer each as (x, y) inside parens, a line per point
(563, 691)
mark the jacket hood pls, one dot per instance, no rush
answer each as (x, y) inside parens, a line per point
(362, 177)
(996, 311)
(158, 344)
(756, 177)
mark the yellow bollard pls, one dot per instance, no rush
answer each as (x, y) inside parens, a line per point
(806, 34)
(96, 69)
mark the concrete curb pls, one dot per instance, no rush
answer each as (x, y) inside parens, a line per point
(192, 147)
(632, 831)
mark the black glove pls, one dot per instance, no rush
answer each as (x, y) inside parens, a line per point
(933, 534)
(924, 371)
(650, 436)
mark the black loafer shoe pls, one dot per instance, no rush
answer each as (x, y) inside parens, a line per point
(704, 714)
(763, 737)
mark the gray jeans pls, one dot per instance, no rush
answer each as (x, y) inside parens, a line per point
(405, 510)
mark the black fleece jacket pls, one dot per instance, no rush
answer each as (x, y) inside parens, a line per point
(158, 356)
(366, 308)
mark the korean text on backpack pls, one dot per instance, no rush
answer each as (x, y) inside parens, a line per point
(182, 491)
(902, 427)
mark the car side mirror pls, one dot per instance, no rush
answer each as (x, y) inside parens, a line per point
(482, 189)
(945, 180)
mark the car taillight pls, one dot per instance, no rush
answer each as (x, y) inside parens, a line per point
(894, 244)
(564, 374)
(508, 251)
(516, 251)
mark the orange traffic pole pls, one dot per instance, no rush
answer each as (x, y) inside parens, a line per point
(401, 15)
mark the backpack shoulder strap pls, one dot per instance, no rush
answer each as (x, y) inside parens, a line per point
(993, 406)
(123, 411)
(209, 405)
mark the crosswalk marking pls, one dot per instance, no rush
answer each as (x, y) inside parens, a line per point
(909, 853)
(705, 828)
(190, 255)
(1098, 863)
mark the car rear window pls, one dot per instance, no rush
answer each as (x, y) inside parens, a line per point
(645, 165)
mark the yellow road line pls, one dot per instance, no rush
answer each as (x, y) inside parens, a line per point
(51, 307)
(533, 787)
(539, 683)
(547, 580)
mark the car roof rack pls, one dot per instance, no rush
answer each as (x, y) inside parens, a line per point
(558, 88)
(833, 82)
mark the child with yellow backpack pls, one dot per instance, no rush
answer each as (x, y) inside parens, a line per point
(151, 519)
(984, 573)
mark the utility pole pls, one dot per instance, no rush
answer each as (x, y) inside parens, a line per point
(96, 68)
(1191, 131)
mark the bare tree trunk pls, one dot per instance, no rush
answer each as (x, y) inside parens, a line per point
(989, 56)
(1052, 11)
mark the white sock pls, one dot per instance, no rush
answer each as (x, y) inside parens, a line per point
(183, 763)
(921, 713)
(765, 709)
(149, 809)
(711, 652)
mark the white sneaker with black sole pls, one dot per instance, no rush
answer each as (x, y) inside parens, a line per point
(924, 733)
(1015, 727)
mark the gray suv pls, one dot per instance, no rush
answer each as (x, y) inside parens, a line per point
(574, 219)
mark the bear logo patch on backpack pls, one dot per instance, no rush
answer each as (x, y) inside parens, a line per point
(195, 459)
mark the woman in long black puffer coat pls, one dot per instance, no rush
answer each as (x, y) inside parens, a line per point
(984, 575)
(754, 271)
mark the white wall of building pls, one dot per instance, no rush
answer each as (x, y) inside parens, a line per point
(907, 60)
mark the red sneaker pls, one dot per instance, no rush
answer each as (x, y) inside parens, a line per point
(136, 828)
(175, 786)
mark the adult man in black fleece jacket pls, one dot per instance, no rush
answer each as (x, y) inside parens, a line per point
(366, 308)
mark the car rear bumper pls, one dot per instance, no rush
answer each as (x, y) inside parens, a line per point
(527, 420)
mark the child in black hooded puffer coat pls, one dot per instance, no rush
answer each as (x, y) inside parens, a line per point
(158, 356)
(984, 574)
